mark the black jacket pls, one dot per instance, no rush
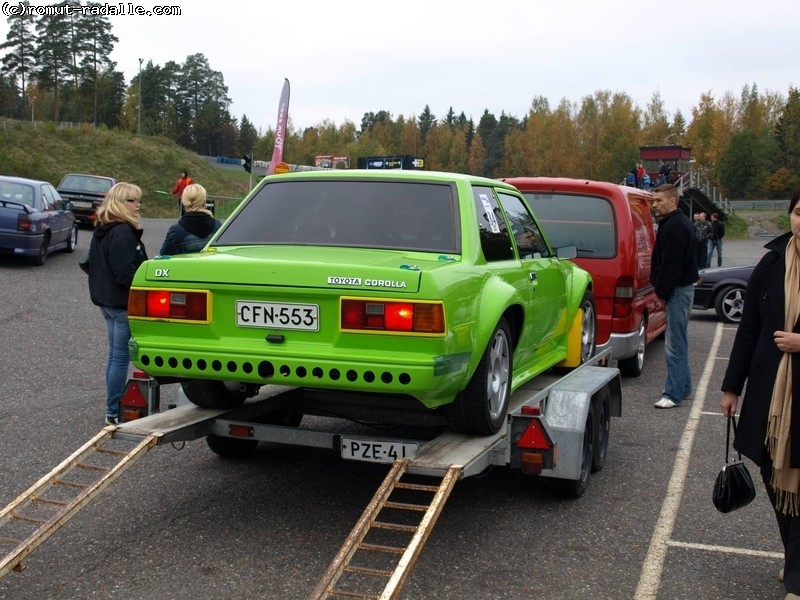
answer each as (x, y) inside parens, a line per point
(755, 356)
(190, 234)
(674, 257)
(717, 230)
(116, 251)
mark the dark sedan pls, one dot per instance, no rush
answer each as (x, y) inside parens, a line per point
(723, 290)
(34, 220)
(86, 193)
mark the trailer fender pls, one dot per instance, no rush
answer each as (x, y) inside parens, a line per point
(566, 411)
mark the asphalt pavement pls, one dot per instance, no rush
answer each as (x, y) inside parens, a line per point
(183, 523)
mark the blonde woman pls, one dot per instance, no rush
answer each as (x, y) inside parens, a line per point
(116, 251)
(192, 232)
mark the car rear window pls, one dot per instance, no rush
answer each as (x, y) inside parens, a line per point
(377, 214)
(86, 183)
(16, 192)
(586, 222)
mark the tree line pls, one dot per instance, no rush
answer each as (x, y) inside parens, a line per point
(56, 67)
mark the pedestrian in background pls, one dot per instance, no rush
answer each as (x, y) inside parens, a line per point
(766, 354)
(180, 185)
(115, 252)
(192, 232)
(673, 274)
(702, 233)
(715, 239)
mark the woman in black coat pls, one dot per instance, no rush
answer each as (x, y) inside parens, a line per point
(762, 341)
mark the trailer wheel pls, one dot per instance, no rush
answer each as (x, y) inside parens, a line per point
(216, 394)
(230, 447)
(574, 488)
(481, 407)
(601, 405)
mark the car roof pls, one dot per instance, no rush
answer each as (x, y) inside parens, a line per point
(567, 184)
(88, 175)
(25, 180)
(391, 174)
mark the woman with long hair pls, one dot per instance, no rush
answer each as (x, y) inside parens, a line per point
(115, 253)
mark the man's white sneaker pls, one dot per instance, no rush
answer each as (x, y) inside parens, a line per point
(666, 403)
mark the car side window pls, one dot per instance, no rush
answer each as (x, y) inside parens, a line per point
(492, 227)
(48, 202)
(527, 235)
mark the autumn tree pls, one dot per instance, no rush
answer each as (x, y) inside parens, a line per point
(656, 126)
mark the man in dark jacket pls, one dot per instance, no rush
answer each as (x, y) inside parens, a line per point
(673, 274)
(715, 239)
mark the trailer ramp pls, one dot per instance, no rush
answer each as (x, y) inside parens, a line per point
(378, 555)
(49, 503)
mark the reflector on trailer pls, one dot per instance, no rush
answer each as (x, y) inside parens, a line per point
(240, 431)
(532, 463)
(534, 437)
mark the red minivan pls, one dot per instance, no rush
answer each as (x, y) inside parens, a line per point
(612, 227)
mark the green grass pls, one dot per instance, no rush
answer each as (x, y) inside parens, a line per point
(153, 163)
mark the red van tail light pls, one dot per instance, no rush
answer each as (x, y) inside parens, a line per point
(623, 297)
(169, 304)
(391, 316)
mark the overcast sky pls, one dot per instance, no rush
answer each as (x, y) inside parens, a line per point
(346, 58)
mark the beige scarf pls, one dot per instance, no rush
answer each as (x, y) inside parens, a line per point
(785, 480)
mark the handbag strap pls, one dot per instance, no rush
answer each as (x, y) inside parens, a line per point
(731, 424)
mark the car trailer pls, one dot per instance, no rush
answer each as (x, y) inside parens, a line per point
(557, 426)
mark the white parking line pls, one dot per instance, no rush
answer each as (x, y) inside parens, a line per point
(650, 577)
(727, 549)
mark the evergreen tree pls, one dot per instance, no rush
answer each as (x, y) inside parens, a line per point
(426, 120)
(247, 135)
(20, 59)
(53, 55)
(96, 44)
(787, 132)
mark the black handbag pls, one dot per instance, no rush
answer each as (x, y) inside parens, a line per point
(733, 487)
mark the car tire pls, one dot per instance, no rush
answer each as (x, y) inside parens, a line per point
(72, 239)
(729, 304)
(215, 394)
(41, 257)
(633, 365)
(286, 419)
(588, 327)
(481, 407)
(230, 447)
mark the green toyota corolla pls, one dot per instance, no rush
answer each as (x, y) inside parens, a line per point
(436, 290)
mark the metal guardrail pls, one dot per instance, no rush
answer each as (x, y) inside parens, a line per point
(780, 205)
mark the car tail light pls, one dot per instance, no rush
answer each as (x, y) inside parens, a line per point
(175, 305)
(623, 297)
(24, 224)
(387, 315)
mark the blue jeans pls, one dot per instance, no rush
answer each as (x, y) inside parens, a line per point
(119, 333)
(718, 245)
(679, 378)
